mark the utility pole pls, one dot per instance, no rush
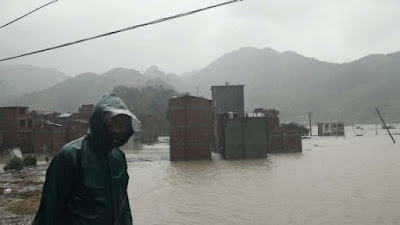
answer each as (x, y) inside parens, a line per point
(385, 124)
(309, 117)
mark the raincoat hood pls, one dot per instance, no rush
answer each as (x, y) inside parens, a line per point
(109, 105)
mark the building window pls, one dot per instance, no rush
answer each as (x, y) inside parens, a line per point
(30, 123)
(326, 126)
(21, 111)
(22, 123)
(22, 135)
(43, 148)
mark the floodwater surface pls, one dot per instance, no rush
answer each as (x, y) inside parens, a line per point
(335, 180)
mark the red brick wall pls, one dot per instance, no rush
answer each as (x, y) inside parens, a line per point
(190, 153)
(285, 141)
(10, 126)
(75, 130)
(85, 111)
(52, 137)
(40, 137)
(189, 128)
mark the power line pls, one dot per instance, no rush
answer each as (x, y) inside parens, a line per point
(122, 30)
(27, 14)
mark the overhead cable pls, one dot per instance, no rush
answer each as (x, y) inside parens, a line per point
(122, 30)
(27, 14)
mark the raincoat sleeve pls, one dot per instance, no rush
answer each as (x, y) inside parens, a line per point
(56, 190)
(127, 214)
(127, 217)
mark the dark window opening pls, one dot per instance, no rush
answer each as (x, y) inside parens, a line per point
(22, 123)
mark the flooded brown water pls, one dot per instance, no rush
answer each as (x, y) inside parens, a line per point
(336, 180)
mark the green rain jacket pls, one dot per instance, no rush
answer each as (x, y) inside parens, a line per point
(86, 182)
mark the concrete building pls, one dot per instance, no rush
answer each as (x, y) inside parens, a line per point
(245, 138)
(225, 99)
(189, 119)
(331, 128)
(228, 98)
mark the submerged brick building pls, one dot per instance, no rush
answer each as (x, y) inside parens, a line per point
(15, 127)
(41, 132)
(190, 130)
(281, 139)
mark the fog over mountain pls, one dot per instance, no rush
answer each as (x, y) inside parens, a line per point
(289, 82)
(295, 85)
(16, 80)
(84, 88)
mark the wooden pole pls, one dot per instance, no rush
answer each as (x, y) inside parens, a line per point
(309, 117)
(385, 124)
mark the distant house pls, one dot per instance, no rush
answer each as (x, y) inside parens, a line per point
(39, 131)
(331, 128)
(16, 127)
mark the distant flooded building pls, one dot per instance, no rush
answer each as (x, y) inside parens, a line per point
(245, 138)
(225, 99)
(331, 129)
(16, 127)
(281, 139)
(189, 118)
(39, 131)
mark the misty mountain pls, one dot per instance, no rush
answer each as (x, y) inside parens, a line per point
(295, 85)
(16, 80)
(286, 81)
(127, 77)
(156, 74)
(68, 95)
(85, 88)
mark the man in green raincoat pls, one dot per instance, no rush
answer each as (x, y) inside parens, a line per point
(86, 182)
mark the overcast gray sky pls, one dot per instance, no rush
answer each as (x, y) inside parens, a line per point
(334, 31)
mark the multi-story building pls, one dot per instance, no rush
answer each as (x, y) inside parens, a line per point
(331, 128)
(16, 127)
(39, 131)
(228, 98)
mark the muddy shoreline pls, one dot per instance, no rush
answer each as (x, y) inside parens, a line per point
(19, 207)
